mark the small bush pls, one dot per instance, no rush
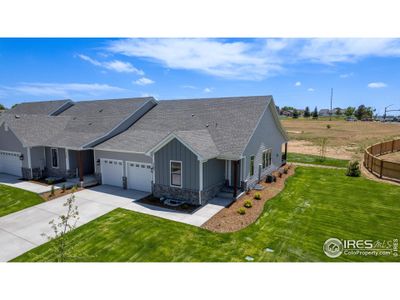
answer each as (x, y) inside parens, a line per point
(353, 169)
(241, 211)
(63, 188)
(285, 170)
(257, 196)
(328, 126)
(248, 203)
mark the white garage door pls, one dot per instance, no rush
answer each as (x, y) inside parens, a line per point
(112, 172)
(10, 163)
(139, 176)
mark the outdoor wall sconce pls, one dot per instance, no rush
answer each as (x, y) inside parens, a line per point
(21, 157)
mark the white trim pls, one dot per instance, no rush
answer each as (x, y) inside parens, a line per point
(119, 151)
(68, 101)
(277, 122)
(170, 177)
(66, 159)
(51, 157)
(168, 139)
(254, 165)
(120, 123)
(28, 150)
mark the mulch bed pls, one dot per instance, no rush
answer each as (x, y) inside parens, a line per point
(151, 200)
(229, 220)
(58, 193)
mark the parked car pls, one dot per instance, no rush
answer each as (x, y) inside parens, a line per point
(351, 119)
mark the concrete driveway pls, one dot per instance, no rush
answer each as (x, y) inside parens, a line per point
(14, 181)
(22, 230)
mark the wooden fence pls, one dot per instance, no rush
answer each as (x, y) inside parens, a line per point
(381, 167)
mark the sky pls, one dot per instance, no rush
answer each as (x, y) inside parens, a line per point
(297, 72)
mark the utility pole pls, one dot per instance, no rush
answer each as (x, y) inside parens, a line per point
(330, 111)
(386, 109)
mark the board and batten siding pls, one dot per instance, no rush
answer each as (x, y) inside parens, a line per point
(175, 150)
(10, 142)
(266, 136)
(134, 157)
(213, 173)
(37, 157)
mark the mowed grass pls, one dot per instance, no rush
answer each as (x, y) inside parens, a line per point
(316, 204)
(13, 199)
(317, 160)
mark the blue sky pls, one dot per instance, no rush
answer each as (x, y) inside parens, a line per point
(297, 72)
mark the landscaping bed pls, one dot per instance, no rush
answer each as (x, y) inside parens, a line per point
(229, 219)
(59, 193)
(151, 200)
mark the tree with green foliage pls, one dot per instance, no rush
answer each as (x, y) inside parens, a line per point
(350, 111)
(315, 113)
(353, 169)
(338, 111)
(2, 107)
(295, 113)
(363, 112)
(307, 112)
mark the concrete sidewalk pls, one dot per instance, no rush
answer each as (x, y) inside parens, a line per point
(14, 181)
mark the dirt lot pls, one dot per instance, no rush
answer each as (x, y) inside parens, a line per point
(345, 140)
(395, 157)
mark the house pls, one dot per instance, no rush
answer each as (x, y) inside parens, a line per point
(181, 149)
(324, 112)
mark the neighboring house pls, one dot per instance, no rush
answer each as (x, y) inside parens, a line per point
(181, 149)
(324, 112)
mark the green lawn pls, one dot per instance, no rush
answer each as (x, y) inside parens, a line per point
(316, 204)
(13, 199)
(317, 160)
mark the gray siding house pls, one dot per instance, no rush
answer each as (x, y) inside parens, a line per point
(183, 149)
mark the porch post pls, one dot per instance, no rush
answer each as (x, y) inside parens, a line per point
(80, 166)
(29, 162)
(285, 153)
(235, 164)
(67, 159)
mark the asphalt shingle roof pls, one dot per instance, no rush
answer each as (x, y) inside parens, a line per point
(218, 126)
(38, 108)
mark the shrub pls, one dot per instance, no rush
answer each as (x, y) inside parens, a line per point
(248, 203)
(52, 191)
(285, 170)
(63, 188)
(328, 126)
(257, 196)
(241, 211)
(353, 169)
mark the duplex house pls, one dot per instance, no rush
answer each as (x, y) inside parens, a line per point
(182, 149)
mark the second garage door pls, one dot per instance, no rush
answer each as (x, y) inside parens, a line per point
(139, 176)
(10, 163)
(112, 172)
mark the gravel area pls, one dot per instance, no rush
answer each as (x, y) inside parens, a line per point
(229, 220)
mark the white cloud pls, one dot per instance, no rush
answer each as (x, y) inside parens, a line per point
(310, 90)
(61, 89)
(207, 90)
(298, 83)
(329, 51)
(143, 81)
(114, 65)
(191, 87)
(377, 85)
(347, 75)
(235, 60)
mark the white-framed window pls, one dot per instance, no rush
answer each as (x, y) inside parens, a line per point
(252, 165)
(175, 173)
(266, 158)
(54, 158)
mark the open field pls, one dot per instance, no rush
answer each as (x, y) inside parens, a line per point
(13, 199)
(316, 160)
(317, 204)
(345, 140)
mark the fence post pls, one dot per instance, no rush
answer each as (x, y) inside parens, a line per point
(392, 146)
(372, 164)
(381, 170)
(380, 148)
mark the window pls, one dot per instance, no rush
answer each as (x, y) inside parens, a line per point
(267, 158)
(252, 165)
(54, 157)
(176, 173)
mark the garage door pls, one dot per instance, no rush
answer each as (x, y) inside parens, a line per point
(139, 176)
(112, 172)
(10, 163)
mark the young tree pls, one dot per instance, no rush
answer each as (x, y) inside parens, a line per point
(64, 224)
(2, 107)
(349, 111)
(338, 112)
(307, 113)
(315, 113)
(295, 113)
(363, 112)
